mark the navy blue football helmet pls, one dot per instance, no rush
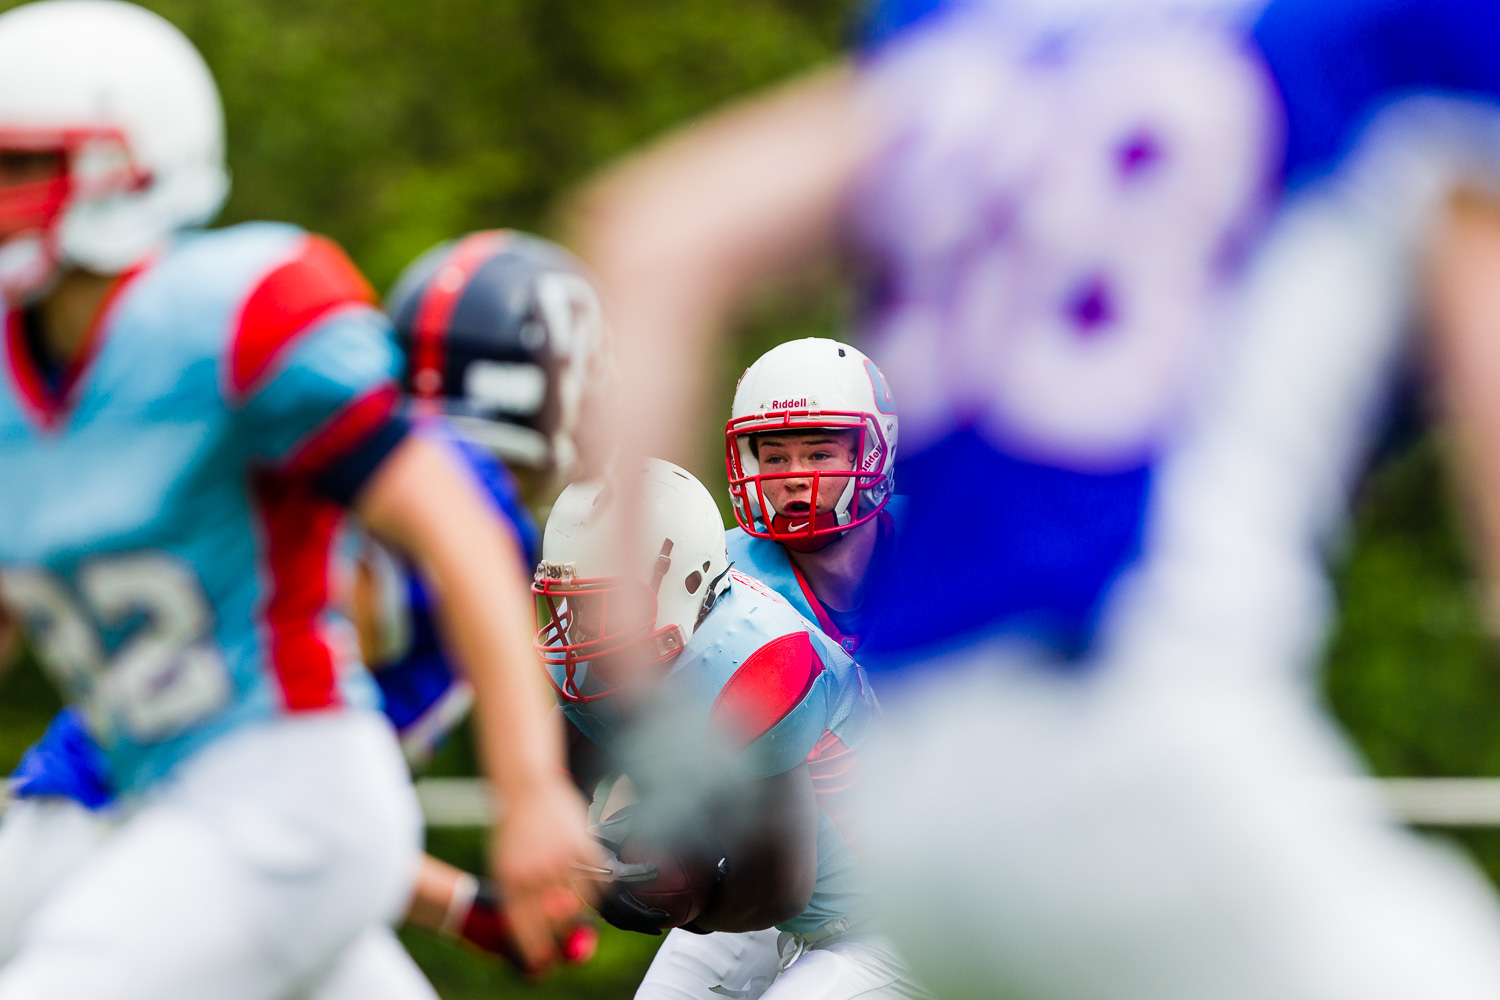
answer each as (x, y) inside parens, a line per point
(503, 335)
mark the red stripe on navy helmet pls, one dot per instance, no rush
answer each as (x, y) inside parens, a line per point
(435, 308)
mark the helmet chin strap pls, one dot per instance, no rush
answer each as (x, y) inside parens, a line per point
(800, 540)
(794, 533)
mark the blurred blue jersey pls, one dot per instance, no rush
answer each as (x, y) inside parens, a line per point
(764, 677)
(1070, 206)
(162, 539)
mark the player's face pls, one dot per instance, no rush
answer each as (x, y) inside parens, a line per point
(806, 452)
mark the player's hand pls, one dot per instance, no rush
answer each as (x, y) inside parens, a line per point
(483, 924)
(616, 903)
(541, 847)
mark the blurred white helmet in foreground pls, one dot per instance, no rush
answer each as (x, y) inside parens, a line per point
(605, 604)
(130, 109)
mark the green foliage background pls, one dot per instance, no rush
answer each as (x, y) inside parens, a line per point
(391, 125)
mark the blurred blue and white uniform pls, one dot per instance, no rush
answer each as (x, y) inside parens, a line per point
(1144, 269)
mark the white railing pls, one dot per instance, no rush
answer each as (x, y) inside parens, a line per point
(457, 803)
(1440, 802)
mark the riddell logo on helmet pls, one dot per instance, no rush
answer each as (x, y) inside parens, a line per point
(788, 404)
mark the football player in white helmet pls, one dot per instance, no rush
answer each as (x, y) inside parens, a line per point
(810, 449)
(530, 356)
(186, 416)
(809, 417)
(741, 736)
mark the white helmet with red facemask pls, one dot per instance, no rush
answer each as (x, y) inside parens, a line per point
(130, 109)
(808, 385)
(603, 610)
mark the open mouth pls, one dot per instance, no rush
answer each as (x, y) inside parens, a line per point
(797, 508)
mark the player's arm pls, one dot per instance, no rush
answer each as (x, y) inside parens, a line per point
(1464, 309)
(308, 376)
(422, 503)
(680, 235)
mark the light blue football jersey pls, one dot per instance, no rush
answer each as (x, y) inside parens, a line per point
(746, 673)
(422, 690)
(160, 537)
(768, 562)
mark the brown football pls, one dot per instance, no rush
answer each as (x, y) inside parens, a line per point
(682, 889)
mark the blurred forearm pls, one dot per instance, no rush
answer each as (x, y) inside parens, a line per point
(1464, 307)
(680, 235)
(422, 504)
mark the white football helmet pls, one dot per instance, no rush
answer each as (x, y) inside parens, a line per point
(808, 384)
(131, 108)
(596, 612)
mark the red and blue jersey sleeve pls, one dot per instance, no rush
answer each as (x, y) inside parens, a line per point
(311, 363)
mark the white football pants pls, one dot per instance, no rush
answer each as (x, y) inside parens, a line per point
(1038, 835)
(268, 868)
(754, 966)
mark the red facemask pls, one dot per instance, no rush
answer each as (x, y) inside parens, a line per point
(797, 531)
(598, 628)
(33, 208)
(91, 163)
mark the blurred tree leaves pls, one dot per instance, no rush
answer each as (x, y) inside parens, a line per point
(1412, 671)
(391, 125)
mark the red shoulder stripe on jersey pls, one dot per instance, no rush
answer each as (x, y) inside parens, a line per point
(767, 686)
(345, 429)
(298, 540)
(435, 310)
(48, 408)
(287, 302)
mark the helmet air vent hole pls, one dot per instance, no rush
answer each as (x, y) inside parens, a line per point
(841, 352)
(693, 582)
(706, 565)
